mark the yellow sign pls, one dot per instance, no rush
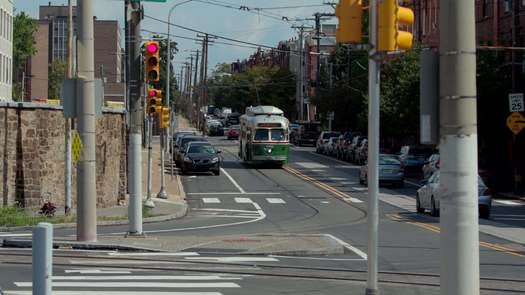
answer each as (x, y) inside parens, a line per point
(516, 122)
(76, 147)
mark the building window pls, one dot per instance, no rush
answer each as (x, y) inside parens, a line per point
(507, 5)
(1, 22)
(485, 8)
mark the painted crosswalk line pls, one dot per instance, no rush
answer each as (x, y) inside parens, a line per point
(275, 201)
(243, 200)
(233, 259)
(211, 200)
(508, 202)
(135, 284)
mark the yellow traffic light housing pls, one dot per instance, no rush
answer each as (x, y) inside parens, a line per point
(164, 117)
(152, 61)
(154, 100)
(390, 17)
(349, 13)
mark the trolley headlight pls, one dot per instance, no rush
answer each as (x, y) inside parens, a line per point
(215, 160)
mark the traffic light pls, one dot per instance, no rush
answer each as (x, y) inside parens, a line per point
(165, 117)
(154, 100)
(390, 17)
(349, 13)
(152, 61)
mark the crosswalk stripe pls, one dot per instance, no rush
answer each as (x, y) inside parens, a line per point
(211, 200)
(144, 278)
(275, 201)
(156, 285)
(243, 200)
(355, 200)
(100, 292)
(154, 254)
(234, 259)
(507, 202)
(97, 271)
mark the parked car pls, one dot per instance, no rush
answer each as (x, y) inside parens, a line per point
(344, 140)
(431, 166)
(201, 157)
(329, 147)
(354, 148)
(182, 145)
(178, 135)
(414, 157)
(390, 171)
(233, 132)
(308, 133)
(428, 196)
(214, 128)
(323, 139)
(361, 153)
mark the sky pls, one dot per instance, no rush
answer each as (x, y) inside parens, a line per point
(202, 15)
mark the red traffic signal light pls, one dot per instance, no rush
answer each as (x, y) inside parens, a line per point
(152, 61)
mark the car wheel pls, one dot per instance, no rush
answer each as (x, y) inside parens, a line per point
(419, 209)
(217, 172)
(434, 211)
(484, 212)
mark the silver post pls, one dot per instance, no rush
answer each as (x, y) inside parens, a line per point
(67, 121)
(373, 153)
(149, 203)
(42, 259)
(301, 75)
(133, 17)
(162, 193)
(458, 145)
(86, 171)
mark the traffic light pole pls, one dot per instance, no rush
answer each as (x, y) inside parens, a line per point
(458, 149)
(86, 169)
(373, 152)
(149, 203)
(133, 42)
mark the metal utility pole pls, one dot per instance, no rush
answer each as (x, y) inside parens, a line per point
(195, 75)
(459, 149)
(190, 87)
(67, 121)
(86, 169)
(133, 17)
(374, 71)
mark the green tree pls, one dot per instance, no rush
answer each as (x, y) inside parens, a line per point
(56, 76)
(24, 29)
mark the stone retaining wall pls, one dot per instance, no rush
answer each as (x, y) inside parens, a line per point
(32, 151)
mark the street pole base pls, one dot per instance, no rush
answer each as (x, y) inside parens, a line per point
(162, 194)
(148, 203)
(134, 235)
(372, 291)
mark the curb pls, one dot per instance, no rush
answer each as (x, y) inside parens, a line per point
(180, 213)
(78, 246)
(509, 196)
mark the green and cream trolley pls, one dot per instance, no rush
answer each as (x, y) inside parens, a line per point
(264, 136)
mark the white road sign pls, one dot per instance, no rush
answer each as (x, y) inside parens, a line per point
(516, 102)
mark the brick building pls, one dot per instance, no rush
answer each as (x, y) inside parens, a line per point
(6, 49)
(51, 42)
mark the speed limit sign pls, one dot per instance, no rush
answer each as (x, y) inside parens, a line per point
(516, 102)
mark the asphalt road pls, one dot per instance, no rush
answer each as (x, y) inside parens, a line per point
(314, 194)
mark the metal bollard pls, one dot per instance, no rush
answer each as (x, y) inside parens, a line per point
(42, 258)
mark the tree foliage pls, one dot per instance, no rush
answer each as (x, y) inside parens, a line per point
(258, 85)
(56, 76)
(24, 29)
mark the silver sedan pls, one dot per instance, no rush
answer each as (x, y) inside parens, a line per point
(427, 197)
(390, 171)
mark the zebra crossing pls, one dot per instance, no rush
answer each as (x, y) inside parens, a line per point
(241, 200)
(116, 282)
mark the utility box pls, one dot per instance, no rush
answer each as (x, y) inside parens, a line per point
(429, 96)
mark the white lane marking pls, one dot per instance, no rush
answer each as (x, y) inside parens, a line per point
(233, 181)
(154, 254)
(275, 201)
(325, 202)
(235, 193)
(231, 216)
(224, 210)
(311, 165)
(211, 200)
(349, 247)
(14, 235)
(400, 201)
(117, 262)
(243, 200)
(507, 202)
(348, 182)
(354, 200)
(100, 292)
(145, 278)
(337, 178)
(317, 258)
(97, 271)
(317, 170)
(234, 259)
(360, 189)
(156, 285)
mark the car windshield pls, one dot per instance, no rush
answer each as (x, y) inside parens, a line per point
(261, 134)
(201, 149)
(277, 134)
(185, 140)
(311, 127)
(329, 135)
(387, 160)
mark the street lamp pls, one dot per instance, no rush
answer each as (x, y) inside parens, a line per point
(162, 193)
